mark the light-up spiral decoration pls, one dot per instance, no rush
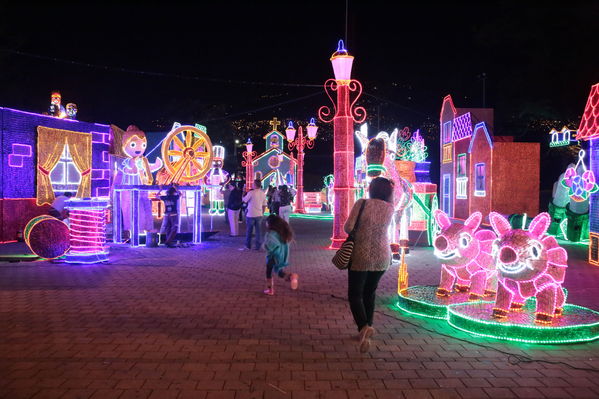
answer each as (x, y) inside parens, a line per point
(87, 218)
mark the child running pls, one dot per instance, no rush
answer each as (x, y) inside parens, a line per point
(276, 244)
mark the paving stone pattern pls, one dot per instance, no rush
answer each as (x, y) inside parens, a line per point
(193, 323)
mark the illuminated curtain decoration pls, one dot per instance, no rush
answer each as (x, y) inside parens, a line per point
(580, 185)
(116, 147)
(50, 145)
(80, 147)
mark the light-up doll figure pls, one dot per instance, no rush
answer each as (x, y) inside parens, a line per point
(137, 170)
(217, 177)
(72, 111)
(56, 109)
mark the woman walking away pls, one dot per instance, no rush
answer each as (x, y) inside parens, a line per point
(371, 255)
(276, 244)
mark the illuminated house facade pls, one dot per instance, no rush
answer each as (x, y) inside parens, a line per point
(43, 155)
(480, 172)
(589, 131)
(274, 166)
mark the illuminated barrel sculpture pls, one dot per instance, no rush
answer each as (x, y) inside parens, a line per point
(47, 237)
(87, 219)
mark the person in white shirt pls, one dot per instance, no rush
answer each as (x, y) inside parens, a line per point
(57, 208)
(256, 204)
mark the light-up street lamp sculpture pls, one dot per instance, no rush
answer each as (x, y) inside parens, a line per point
(299, 143)
(248, 162)
(343, 116)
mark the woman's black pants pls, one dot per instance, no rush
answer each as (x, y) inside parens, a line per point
(361, 292)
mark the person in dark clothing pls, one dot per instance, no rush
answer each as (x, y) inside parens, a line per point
(170, 222)
(233, 209)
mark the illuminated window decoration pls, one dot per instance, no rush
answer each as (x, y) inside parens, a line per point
(47, 237)
(418, 148)
(216, 178)
(462, 127)
(461, 187)
(65, 176)
(446, 132)
(447, 150)
(594, 249)
(461, 165)
(446, 188)
(19, 152)
(580, 185)
(530, 264)
(465, 253)
(479, 180)
(87, 219)
(50, 149)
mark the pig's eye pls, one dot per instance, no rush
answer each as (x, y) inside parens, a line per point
(465, 240)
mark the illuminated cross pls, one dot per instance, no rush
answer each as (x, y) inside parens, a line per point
(274, 123)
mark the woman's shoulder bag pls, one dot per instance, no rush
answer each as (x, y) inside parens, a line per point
(343, 256)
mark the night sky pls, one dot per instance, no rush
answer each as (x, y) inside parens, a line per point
(233, 65)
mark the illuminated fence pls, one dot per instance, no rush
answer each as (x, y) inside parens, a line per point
(87, 219)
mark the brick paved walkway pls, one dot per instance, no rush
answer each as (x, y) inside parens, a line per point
(193, 323)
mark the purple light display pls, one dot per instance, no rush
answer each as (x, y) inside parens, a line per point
(19, 151)
(462, 127)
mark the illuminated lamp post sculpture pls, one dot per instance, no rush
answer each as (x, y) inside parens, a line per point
(299, 143)
(248, 162)
(344, 116)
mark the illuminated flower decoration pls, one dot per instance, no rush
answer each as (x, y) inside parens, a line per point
(580, 185)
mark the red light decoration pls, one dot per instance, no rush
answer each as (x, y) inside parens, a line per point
(88, 237)
(343, 115)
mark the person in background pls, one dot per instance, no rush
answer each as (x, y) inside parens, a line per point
(269, 197)
(256, 204)
(225, 190)
(275, 203)
(57, 208)
(286, 196)
(234, 203)
(276, 244)
(170, 221)
(371, 255)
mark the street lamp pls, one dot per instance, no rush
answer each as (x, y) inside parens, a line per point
(300, 142)
(343, 133)
(248, 156)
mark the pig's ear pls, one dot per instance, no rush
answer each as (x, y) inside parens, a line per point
(539, 225)
(499, 223)
(442, 219)
(474, 221)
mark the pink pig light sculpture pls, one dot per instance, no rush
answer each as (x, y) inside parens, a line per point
(466, 255)
(530, 264)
